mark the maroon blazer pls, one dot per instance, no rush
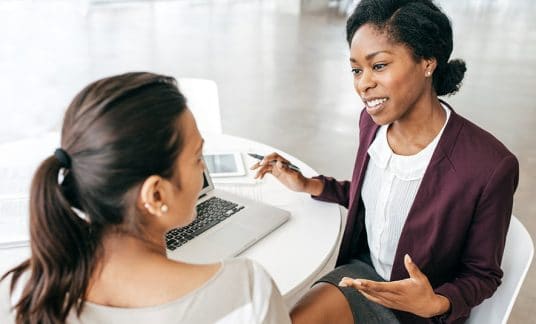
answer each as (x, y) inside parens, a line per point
(456, 228)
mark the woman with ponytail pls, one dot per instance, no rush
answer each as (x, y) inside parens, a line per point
(129, 169)
(431, 195)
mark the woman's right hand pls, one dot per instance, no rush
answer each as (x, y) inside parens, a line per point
(278, 167)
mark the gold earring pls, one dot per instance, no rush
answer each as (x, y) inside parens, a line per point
(164, 208)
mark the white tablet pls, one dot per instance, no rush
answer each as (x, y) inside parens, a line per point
(224, 164)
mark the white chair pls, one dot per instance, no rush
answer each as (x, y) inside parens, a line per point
(202, 99)
(517, 258)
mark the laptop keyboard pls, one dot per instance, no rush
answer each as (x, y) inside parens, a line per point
(209, 213)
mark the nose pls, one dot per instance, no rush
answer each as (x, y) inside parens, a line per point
(364, 82)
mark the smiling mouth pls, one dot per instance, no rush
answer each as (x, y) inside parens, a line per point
(374, 103)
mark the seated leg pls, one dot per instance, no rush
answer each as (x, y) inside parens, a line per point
(324, 303)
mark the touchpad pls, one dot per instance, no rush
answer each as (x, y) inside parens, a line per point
(232, 238)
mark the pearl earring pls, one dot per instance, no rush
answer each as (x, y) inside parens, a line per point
(146, 205)
(428, 73)
(164, 208)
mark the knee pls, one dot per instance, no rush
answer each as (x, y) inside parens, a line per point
(324, 303)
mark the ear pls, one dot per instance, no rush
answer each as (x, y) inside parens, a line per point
(151, 195)
(429, 65)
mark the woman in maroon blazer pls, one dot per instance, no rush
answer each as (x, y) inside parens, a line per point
(431, 195)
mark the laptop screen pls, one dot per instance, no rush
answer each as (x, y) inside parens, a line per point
(207, 184)
(205, 181)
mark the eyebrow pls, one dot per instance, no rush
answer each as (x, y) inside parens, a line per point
(370, 56)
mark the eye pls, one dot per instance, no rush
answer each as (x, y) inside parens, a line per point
(356, 71)
(379, 66)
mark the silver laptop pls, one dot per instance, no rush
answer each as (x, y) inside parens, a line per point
(225, 226)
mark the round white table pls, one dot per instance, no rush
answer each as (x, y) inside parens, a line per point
(304, 248)
(295, 255)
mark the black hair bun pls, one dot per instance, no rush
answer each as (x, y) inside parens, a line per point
(448, 77)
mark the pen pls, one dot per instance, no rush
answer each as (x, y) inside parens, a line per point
(260, 158)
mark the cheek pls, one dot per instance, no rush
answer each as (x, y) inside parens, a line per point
(404, 87)
(356, 83)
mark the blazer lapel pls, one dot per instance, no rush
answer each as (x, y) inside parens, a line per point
(362, 161)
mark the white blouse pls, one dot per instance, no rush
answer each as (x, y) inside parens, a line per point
(389, 189)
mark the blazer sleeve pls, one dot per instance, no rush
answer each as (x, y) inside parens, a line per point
(334, 191)
(479, 272)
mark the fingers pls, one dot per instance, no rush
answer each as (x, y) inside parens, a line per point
(283, 167)
(375, 287)
(272, 163)
(380, 300)
(413, 270)
(349, 282)
(363, 284)
(378, 286)
(262, 172)
(385, 298)
(274, 157)
(254, 166)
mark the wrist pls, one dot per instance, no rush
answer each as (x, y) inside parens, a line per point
(313, 186)
(442, 305)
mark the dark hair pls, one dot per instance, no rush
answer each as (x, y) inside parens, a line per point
(117, 131)
(421, 26)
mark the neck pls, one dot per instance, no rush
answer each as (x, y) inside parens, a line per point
(425, 117)
(126, 259)
(418, 127)
(125, 243)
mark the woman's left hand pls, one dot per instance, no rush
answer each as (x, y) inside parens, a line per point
(414, 294)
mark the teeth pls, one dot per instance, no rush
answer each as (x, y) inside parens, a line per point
(376, 102)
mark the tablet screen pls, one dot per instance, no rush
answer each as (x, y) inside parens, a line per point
(221, 163)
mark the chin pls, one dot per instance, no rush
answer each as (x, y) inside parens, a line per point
(188, 221)
(381, 120)
(193, 217)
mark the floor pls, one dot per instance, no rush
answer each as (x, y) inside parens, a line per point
(283, 78)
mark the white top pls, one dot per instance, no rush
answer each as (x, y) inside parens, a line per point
(389, 189)
(240, 292)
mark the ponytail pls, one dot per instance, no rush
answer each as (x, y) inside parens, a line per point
(62, 253)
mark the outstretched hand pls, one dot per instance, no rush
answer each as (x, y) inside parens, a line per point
(414, 294)
(278, 167)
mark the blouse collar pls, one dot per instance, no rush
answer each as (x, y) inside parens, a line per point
(410, 167)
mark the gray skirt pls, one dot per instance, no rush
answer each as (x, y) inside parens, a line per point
(364, 310)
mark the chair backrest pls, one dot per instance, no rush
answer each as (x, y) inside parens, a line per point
(518, 253)
(202, 99)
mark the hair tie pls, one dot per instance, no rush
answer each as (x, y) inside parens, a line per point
(63, 158)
